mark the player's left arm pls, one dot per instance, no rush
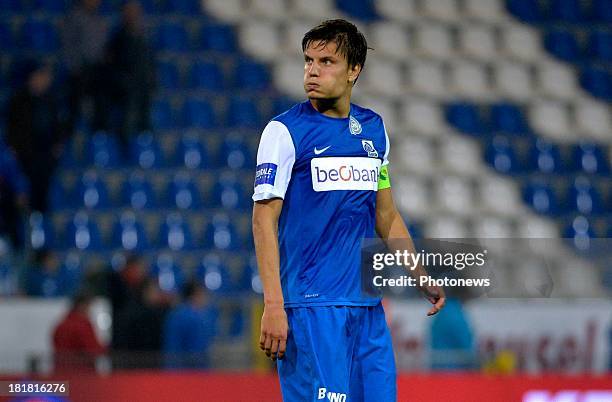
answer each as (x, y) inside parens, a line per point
(391, 228)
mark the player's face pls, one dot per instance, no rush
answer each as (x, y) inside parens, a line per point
(326, 73)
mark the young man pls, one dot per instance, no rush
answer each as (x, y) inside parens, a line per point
(321, 187)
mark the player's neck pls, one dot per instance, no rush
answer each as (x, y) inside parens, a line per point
(338, 108)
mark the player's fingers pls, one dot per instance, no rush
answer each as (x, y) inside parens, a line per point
(262, 340)
(440, 303)
(282, 347)
(274, 348)
(268, 345)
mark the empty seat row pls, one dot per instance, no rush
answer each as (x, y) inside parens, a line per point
(562, 11)
(568, 45)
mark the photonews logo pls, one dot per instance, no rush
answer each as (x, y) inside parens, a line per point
(345, 173)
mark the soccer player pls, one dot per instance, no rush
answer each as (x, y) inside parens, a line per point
(322, 186)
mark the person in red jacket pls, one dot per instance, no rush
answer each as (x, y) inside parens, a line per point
(75, 343)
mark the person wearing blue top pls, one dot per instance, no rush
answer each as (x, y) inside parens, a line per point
(321, 187)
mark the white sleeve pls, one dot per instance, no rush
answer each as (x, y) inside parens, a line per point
(275, 159)
(387, 147)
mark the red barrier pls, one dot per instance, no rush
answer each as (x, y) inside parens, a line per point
(158, 386)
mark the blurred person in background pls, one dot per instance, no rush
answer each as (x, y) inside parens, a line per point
(14, 197)
(34, 129)
(85, 36)
(131, 62)
(139, 327)
(189, 330)
(75, 343)
(47, 277)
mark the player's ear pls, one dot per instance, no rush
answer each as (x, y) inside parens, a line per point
(354, 72)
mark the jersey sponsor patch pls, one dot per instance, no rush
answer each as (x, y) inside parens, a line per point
(345, 173)
(265, 173)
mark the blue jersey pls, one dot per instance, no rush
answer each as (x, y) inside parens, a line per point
(326, 170)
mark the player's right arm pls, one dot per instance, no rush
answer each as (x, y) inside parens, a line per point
(275, 159)
(274, 326)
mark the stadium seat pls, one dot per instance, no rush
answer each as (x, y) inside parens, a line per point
(602, 10)
(521, 43)
(484, 10)
(550, 119)
(589, 158)
(422, 116)
(221, 234)
(392, 85)
(103, 150)
(567, 11)
(213, 274)
(556, 80)
(526, 10)
(540, 196)
(580, 230)
(175, 233)
(137, 192)
(443, 10)
(161, 115)
(397, 10)
(61, 194)
(284, 77)
(600, 45)
(434, 40)
(533, 226)
(461, 155)
(251, 76)
(597, 81)
(168, 75)
(501, 155)
(225, 10)
(51, 6)
(513, 81)
(385, 107)
(243, 112)
(583, 197)
(362, 10)
(261, 39)
(563, 44)
(172, 36)
(40, 232)
(219, 38)
(492, 227)
(454, 195)
(412, 196)
(478, 41)
(192, 153)
(83, 234)
(183, 193)
(391, 39)
(507, 118)
(7, 39)
(199, 113)
(12, 6)
(498, 195)
(445, 227)
(275, 10)
(186, 7)
(426, 77)
(236, 154)
(466, 118)
(39, 35)
(206, 75)
(145, 152)
(229, 194)
(168, 274)
(544, 157)
(129, 234)
(593, 119)
(93, 193)
(418, 155)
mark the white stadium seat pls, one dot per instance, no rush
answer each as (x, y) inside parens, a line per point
(534, 226)
(485, 10)
(434, 40)
(385, 107)
(443, 10)
(398, 10)
(478, 41)
(454, 194)
(269, 9)
(293, 33)
(410, 193)
(318, 9)
(470, 80)
(445, 227)
(427, 78)
(389, 39)
(492, 227)
(261, 39)
(225, 10)
(557, 80)
(382, 77)
(422, 116)
(460, 155)
(513, 80)
(499, 195)
(594, 119)
(413, 154)
(288, 76)
(551, 119)
(521, 43)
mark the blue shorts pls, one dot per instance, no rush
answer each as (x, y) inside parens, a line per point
(338, 353)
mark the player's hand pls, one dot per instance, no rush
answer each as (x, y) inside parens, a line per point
(436, 296)
(274, 329)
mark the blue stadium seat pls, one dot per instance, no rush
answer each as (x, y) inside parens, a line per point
(500, 154)
(83, 234)
(168, 75)
(508, 118)
(584, 198)
(175, 233)
(137, 192)
(129, 234)
(92, 191)
(72, 273)
(51, 6)
(363, 10)
(206, 75)
(600, 45)
(567, 11)
(168, 273)
(162, 115)
(213, 274)
(243, 112)
(545, 157)
(251, 75)
(219, 38)
(145, 152)
(103, 150)
(12, 6)
(597, 81)
(580, 231)
(221, 234)
(199, 113)
(39, 35)
(149, 7)
(602, 10)
(590, 158)
(229, 194)
(563, 44)
(41, 234)
(182, 192)
(466, 118)
(540, 196)
(236, 153)
(281, 104)
(187, 7)
(172, 37)
(61, 195)
(7, 39)
(526, 10)
(192, 153)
